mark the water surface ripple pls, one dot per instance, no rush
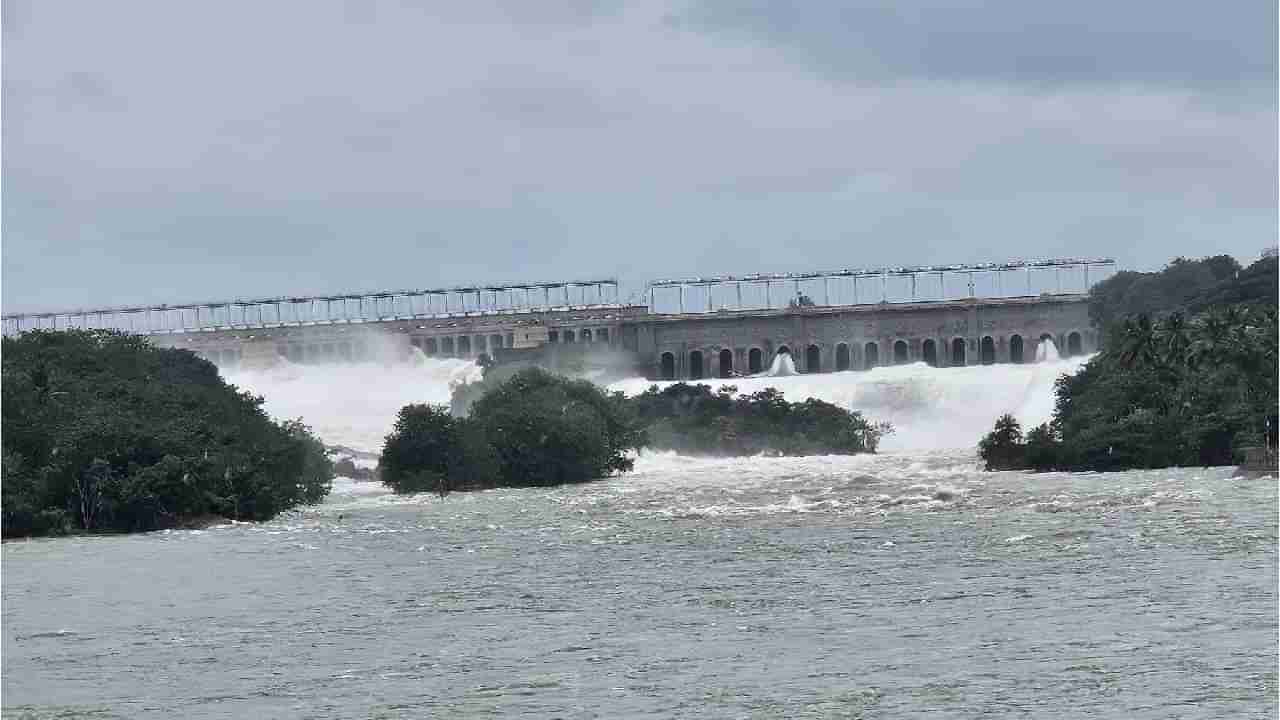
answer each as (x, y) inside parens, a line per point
(888, 586)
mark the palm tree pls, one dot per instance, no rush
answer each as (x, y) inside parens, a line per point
(1211, 336)
(1174, 340)
(1138, 344)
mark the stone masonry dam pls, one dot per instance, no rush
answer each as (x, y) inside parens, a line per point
(694, 328)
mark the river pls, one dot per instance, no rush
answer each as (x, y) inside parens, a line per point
(899, 585)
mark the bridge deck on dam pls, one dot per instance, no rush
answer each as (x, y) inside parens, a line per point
(738, 328)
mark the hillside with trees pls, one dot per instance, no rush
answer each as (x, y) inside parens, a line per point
(104, 432)
(1187, 375)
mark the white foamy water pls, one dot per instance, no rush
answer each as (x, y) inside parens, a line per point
(354, 404)
(931, 408)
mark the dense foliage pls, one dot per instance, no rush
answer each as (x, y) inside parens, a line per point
(1189, 286)
(1170, 388)
(430, 450)
(691, 419)
(531, 428)
(103, 431)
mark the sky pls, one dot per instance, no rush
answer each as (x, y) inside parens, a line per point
(161, 152)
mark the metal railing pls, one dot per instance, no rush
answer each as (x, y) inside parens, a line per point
(725, 292)
(360, 307)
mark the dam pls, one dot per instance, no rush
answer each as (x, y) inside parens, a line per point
(691, 328)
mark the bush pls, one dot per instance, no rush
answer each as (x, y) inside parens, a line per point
(691, 419)
(548, 430)
(103, 431)
(431, 451)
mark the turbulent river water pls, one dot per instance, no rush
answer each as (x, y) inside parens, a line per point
(904, 584)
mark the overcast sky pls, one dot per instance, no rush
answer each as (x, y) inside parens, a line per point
(166, 151)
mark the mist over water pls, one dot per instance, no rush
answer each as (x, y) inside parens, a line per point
(931, 408)
(354, 404)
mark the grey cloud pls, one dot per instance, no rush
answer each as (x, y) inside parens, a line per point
(1205, 46)
(260, 148)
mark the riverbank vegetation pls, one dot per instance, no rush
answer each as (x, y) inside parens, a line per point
(1187, 379)
(104, 432)
(530, 427)
(693, 420)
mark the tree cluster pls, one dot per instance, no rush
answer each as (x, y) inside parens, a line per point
(533, 428)
(1188, 286)
(1170, 388)
(691, 419)
(530, 427)
(104, 432)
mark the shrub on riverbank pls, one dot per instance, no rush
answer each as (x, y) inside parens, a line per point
(103, 431)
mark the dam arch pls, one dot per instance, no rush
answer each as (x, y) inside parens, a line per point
(842, 357)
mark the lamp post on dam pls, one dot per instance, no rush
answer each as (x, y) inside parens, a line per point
(690, 328)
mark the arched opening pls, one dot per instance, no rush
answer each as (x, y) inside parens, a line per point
(446, 346)
(568, 336)
(900, 352)
(755, 361)
(495, 342)
(930, 352)
(871, 355)
(695, 365)
(586, 336)
(957, 351)
(1015, 349)
(430, 346)
(813, 359)
(668, 366)
(1074, 344)
(726, 363)
(464, 345)
(842, 357)
(602, 335)
(988, 350)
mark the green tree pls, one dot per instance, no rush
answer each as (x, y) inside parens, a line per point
(548, 430)
(103, 431)
(1003, 447)
(429, 450)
